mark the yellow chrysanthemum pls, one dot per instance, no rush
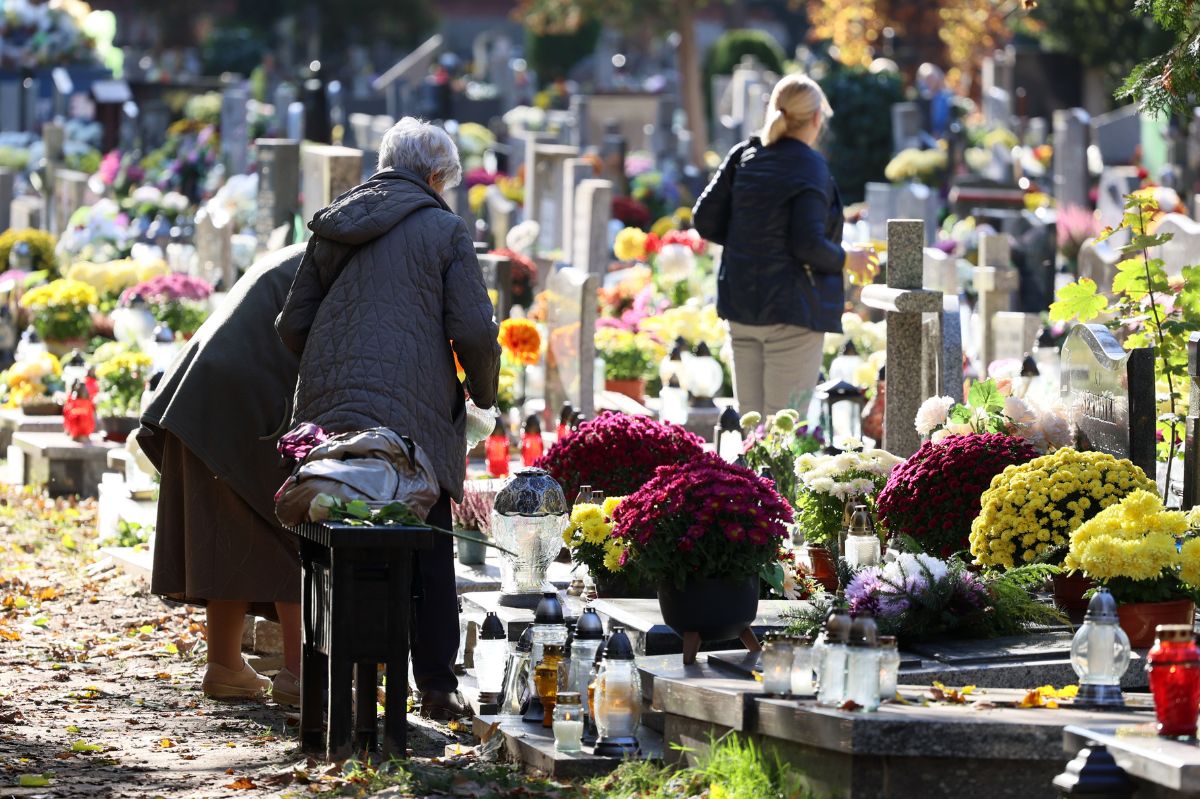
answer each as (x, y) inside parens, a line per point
(610, 506)
(630, 244)
(613, 550)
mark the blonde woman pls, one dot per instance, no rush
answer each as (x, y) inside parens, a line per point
(774, 207)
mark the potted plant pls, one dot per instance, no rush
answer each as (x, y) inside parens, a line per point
(934, 495)
(1131, 549)
(122, 378)
(177, 301)
(617, 454)
(704, 532)
(591, 544)
(33, 382)
(627, 361)
(472, 520)
(776, 444)
(826, 486)
(61, 313)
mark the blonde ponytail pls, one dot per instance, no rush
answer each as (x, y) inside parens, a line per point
(794, 101)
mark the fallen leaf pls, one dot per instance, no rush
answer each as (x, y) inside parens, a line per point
(41, 621)
(850, 705)
(9, 635)
(46, 594)
(73, 730)
(166, 743)
(84, 746)
(33, 781)
(162, 675)
(242, 784)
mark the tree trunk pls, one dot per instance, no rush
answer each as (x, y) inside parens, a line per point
(690, 79)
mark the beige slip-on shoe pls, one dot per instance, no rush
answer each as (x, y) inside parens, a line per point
(222, 683)
(285, 689)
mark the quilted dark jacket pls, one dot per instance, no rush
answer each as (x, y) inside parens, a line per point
(389, 280)
(777, 213)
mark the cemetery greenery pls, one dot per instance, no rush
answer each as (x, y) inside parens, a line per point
(590, 540)
(776, 444)
(1170, 80)
(177, 301)
(703, 518)
(1031, 509)
(826, 485)
(1131, 548)
(617, 454)
(61, 309)
(122, 379)
(934, 495)
(41, 245)
(475, 510)
(1146, 310)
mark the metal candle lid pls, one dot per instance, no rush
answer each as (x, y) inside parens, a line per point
(589, 627)
(549, 610)
(1102, 607)
(619, 646)
(525, 642)
(730, 421)
(492, 628)
(837, 625)
(531, 492)
(863, 631)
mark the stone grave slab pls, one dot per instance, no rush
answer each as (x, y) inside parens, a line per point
(571, 350)
(235, 150)
(14, 420)
(64, 466)
(643, 620)
(1184, 247)
(70, 194)
(1173, 765)
(1071, 136)
(486, 576)
(592, 212)
(135, 561)
(326, 172)
(532, 747)
(1110, 394)
(7, 192)
(278, 186)
(515, 619)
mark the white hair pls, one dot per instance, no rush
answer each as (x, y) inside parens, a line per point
(422, 148)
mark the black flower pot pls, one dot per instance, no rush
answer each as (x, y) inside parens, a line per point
(711, 609)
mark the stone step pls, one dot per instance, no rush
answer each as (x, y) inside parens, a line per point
(532, 747)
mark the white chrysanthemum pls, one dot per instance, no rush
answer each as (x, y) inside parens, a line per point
(932, 414)
(1019, 411)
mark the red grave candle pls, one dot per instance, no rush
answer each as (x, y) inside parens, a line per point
(79, 413)
(497, 451)
(1174, 666)
(532, 445)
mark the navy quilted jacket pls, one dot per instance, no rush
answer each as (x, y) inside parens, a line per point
(777, 213)
(390, 278)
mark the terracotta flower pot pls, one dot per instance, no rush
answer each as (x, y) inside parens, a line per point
(1069, 592)
(818, 563)
(1139, 619)
(634, 389)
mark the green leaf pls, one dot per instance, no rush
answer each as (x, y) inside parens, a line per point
(358, 509)
(84, 746)
(1078, 301)
(960, 414)
(772, 574)
(33, 781)
(986, 395)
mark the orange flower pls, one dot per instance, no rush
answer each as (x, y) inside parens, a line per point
(520, 339)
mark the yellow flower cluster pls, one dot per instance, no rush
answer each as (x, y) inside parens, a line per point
(27, 379)
(1134, 538)
(61, 293)
(630, 244)
(115, 276)
(914, 164)
(591, 527)
(691, 321)
(126, 363)
(1034, 507)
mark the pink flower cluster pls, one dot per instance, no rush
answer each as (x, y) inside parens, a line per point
(702, 518)
(617, 453)
(168, 288)
(935, 494)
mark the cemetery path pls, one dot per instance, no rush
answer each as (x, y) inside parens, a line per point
(99, 682)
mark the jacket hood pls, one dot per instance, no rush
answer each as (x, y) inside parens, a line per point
(371, 209)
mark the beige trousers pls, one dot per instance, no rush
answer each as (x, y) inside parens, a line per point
(775, 367)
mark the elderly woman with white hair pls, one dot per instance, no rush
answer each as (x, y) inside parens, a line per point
(388, 293)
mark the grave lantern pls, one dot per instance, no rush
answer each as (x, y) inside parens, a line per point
(528, 519)
(618, 698)
(516, 676)
(1100, 653)
(79, 413)
(532, 445)
(703, 376)
(548, 630)
(568, 722)
(491, 654)
(672, 365)
(1174, 665)
(589, 635)
(547, 678)
(674, 402)
(847, 362)
(841, 412)
(861, 547)
(729, 435)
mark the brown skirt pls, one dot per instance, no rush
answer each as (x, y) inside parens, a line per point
(211, 545)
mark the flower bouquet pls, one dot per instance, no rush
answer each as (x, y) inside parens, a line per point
(61, 310)
(1131, 548)
(122, 379)
(589, 539)
(177, 301)
(776, 445)
(473, 517)
(1031, 509)
(827, 484)
(29, 380)
(991, 409)
(933, 496)
(617, 454)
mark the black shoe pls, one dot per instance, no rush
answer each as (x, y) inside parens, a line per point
(444, 706)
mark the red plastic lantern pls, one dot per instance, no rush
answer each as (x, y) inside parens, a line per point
(564, 421)
(79, 413)
(532, 445)
(1174, 666)
(497, 451)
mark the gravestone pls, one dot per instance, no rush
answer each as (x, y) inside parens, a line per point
(907, 126)
(998, 107)
(1098, 261)
(1118, 134)
(1191, 431)
(500, 212)
(580, 120)
(285, 95)
(1184, 247)
(7, 188)
(1115, 183)
(278, 186)
(27, 212)
(940, 271)
(214, 248)
(53, 139)
(613, 151)
(497, 276)
(758, 97)
(941, 365)
(1013, 334)
(998, 72)
(544, 167)
(1071, 178)
(881, 206)
(235, 135)
(575, 171)
(571, 349)
(328, 171)
(918, 201)
(1110, 394)
(70, 194)
(1035, 132)
(593, 210)
(904, 301)
(995, 283)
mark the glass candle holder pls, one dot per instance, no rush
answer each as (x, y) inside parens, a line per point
(862, 676)
(568, 722)
(777, 666)
(802, 665)
(832, 691)
(889, 667)
(547, 678)
(1174, 666)
(862, 550)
